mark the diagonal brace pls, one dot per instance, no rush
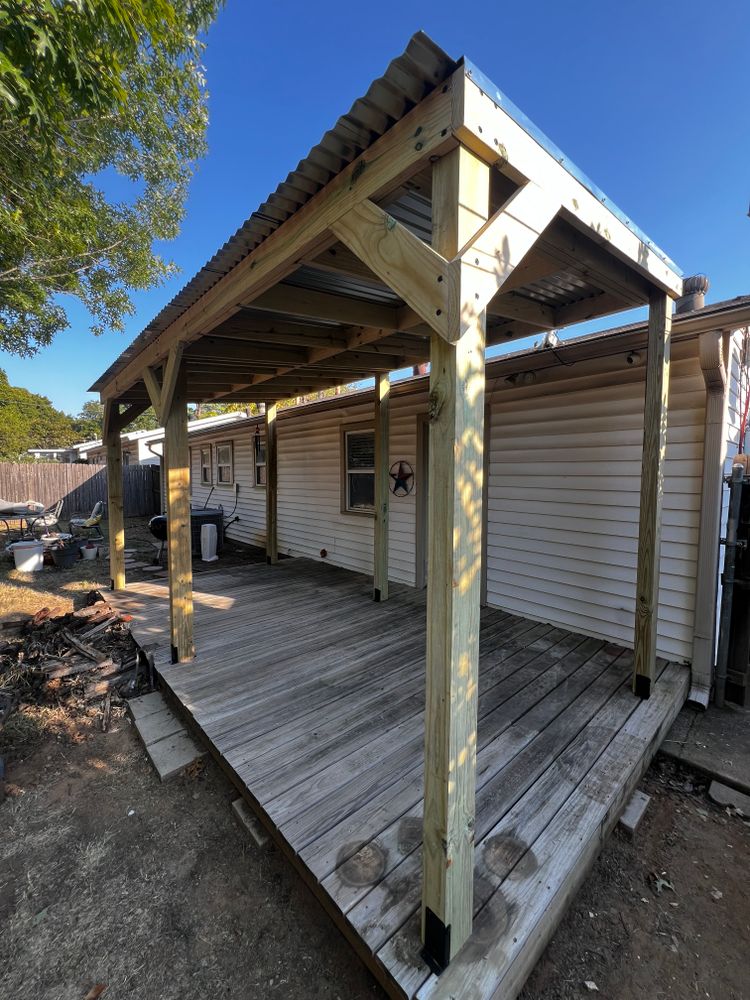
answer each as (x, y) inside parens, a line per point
(448, 295)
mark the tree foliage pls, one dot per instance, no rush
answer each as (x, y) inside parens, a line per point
(30, 421)
(90, 89)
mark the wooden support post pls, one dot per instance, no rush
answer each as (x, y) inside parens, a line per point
(382, 492)
(272, 541)
(179, 542)
(652, 488)
(115, 512)
(460, 205)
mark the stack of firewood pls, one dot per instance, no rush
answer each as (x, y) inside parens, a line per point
(88, 653)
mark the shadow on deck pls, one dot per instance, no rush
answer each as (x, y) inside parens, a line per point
(311, 696)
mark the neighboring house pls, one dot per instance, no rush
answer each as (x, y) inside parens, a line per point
(563, 440)
(54, 454)
(145, 447)
(75, 453)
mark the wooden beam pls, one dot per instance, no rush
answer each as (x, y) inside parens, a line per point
(171, 374)
(115, 510)
(339, 259)
(130, 413)
(304, 302)
(179, 542)
(487, 128)
(526, 310)
(652, 489)
(382, 483)
(376, 173)
(456, 412)
(272, 542)
(153, 388)
(419, 275)
(578, 255)
(492, 254)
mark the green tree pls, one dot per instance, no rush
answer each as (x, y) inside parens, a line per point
(90, 89)
(29, 421)
(89, 423)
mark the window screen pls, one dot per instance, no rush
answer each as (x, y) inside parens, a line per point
(360, 470)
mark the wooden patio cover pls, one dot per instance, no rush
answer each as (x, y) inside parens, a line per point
(433, 220)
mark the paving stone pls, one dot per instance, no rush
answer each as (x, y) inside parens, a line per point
(715, 742)
(723, 795)
(156, 725)
(173, 754)
(146, 704)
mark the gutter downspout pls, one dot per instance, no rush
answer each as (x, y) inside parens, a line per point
(710, 348)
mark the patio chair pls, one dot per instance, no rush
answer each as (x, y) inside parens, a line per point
(88, 527)
(47, 520)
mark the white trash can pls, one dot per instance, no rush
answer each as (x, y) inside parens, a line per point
(209, 541)
(29, 556)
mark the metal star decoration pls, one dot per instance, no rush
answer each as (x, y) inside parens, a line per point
(402, 475)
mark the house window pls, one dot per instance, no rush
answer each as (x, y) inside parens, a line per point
(260, 460)
(359, 465)
(224, 464)
(206, 468)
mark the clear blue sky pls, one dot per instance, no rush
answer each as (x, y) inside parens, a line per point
(649, 99)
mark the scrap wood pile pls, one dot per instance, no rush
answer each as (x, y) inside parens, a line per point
(79, 656)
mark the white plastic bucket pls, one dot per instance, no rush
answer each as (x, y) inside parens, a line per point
(29, 556)
(209, 539)
(89, 551)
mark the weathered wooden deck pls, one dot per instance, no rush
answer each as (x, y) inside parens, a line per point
(312, 697)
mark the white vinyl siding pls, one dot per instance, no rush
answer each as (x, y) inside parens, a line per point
(309, 487)
(251, 503)
(563, 499)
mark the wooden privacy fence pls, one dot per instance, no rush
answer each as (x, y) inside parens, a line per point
(80, 486)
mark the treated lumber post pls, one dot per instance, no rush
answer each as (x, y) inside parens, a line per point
(652, 489)
(179, 545)
(382, 437)
(460, 204)
(115, 511)
(272, 543)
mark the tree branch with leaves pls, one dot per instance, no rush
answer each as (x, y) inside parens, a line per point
(89, 88)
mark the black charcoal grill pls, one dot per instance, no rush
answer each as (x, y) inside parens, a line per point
(210, 515)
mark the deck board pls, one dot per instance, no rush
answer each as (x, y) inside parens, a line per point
(313, 696)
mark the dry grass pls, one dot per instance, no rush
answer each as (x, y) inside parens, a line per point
(59, 589)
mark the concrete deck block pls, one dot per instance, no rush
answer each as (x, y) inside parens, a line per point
(633, 812)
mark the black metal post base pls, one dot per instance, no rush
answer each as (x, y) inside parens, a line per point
(437, 942)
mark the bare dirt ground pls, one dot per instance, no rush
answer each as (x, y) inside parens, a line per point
(108, 877)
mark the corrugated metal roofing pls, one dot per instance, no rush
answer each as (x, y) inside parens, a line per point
(407, 80)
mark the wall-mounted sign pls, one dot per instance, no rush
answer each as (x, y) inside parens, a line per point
(402, 479)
